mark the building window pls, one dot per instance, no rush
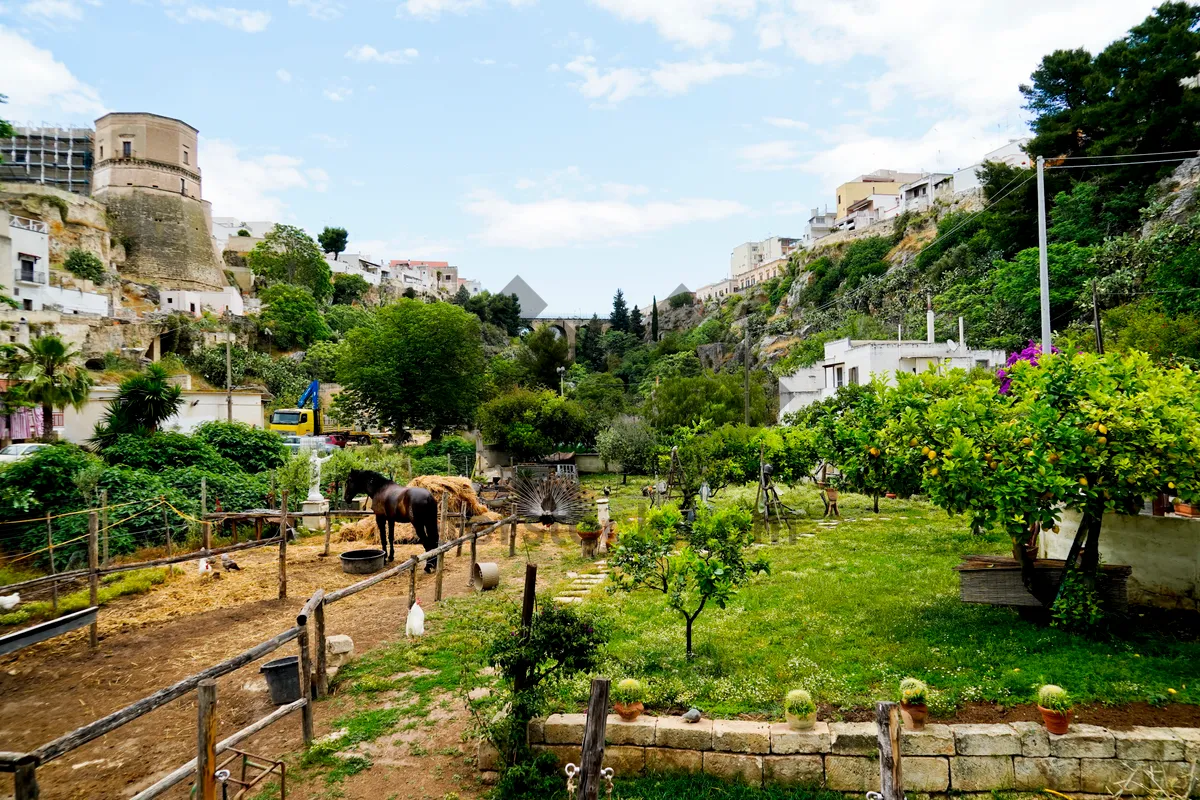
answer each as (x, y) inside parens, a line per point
(101, 152)
(981, 363)
(127, 149)
(28, 305)
(182, 186)
(839, 378)
(20, 158)
(854, 376)
(185, 156)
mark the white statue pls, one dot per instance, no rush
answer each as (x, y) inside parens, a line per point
(314, 491)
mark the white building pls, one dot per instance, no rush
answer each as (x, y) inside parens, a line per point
(715, 291)
(820, 224)
(967, 178)
(869, 210)
(356, 264)
(27, 275)
(752, 255)
(197, 407)
(916, 195)
(852, 362)
(472, 286)
(224, 227)
(196, 303)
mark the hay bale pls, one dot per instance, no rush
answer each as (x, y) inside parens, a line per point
(365, 530)
(457, 489)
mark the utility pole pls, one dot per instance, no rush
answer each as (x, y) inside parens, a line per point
(1043, 259)
(1096, 319)
(746, 364)
(229, 376)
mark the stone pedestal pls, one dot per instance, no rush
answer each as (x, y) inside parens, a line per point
(314, 512)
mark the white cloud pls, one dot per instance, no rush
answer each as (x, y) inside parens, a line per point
(283, 75)
(693, 23)
(615, 84)
(54, 10)
(432, 9)
(365, 53)
(323, 10)
(332, 142)
(485, 62)
(252, 186)
(338, 94)
(46, 89)
(236, 18)
(418, 247)
(565, 221)
(785, 122)
(773, 155)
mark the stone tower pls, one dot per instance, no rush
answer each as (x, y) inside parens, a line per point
(147, 174)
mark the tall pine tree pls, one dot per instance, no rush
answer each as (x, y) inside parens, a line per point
(620, 313)
(654, 320)
(588, 348)
(636, 325)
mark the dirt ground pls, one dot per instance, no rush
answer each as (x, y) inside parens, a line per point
(150, 641)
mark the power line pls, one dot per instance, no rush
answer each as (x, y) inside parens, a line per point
(1193, 152)
(1121, 163)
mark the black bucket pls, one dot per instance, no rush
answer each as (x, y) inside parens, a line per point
(283, 679)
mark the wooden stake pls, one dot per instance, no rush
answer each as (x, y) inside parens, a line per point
(437, 581)
(512, 534)
(283, 552)
(471, 571)
(167, 525)
(50, 548)
(322, 666)
(206, 534)
(412, 582)
(891, 782)
(206, 744)
(593, 740)
(527, 604)
(462, 531)
(328, 529)
(93, 571)
(25, 782)
(203, 496)
(104, 527)
(306, 713)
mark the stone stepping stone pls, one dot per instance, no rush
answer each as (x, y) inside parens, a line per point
(563, 599)
(479, 694)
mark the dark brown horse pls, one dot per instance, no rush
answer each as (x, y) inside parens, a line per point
(394, 503)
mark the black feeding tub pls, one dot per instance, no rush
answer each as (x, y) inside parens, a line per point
(363, 562)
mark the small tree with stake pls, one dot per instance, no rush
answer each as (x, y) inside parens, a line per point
(692, 566)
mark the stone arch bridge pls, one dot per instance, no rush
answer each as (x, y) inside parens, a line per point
(569, 327)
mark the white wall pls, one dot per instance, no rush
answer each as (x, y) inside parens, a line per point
(197, 407)
(351, 264)
(195, 303)
(1163, 551)
(75, 301)
(967, 178)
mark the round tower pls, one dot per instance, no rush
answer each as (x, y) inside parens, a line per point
(147, 173)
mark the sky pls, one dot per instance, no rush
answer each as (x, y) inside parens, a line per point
(585, 145)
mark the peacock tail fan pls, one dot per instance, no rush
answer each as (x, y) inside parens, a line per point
(549, 500)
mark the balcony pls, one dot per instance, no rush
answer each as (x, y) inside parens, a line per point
(25, 224)
(29, 276)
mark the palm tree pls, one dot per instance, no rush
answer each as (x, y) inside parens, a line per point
(50, 376)
(143, 403)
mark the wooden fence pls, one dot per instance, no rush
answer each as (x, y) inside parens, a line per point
(25, 765)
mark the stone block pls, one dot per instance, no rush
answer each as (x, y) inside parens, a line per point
(1035, 774)
(926, 774)
(489, 778)
(734, 766)
(796, 770)
(986, 740)
(981, 773)
(741, 736)
(625, 761)
(339, 649)
(564, 728)
(852, 773)
(487, 757)
(1035, 742)
(640, 732)
(1083, 741)
(674, 732)
(662, 759)
(1148, 744)
(536, 731)
(935, 740)
(1111, 775)
(565, 753)
(785, 741)
(853, 738)
(1191, 743)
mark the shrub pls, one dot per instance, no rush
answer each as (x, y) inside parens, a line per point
(629, 690)
(531, 423)
(680, 300)
(1054, 698)
(799, 703)
(292, 316)
(166, 450)
(913, 692)
(590, 522)
(630, 442)
(83, 264)
(253, 449)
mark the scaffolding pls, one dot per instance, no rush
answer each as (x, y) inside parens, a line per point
(49, 155)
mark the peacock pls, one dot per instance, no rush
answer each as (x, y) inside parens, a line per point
(548, 500)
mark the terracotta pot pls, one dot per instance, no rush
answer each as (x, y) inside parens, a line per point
(890, 495)
(1057, 722)
(914, 715)
(798, 723)
(587, 536)
(629, 711)
(1187, 510)
(832, 494)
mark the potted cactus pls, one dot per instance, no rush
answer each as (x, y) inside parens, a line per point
(913, 708)
(1055, 705)
(627, 699)
(799, 710)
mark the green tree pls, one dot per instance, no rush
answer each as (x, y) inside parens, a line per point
(320, 361)
(253, 449)
(143, 403)
(630, 442)
(501, 310)
(333, 240)
(349, 289)
(637, 326)
(542, 352)
(602, 394)
(589, 348)
(292, 317)
(418, 364)
(461, 297)
(86, 265)
(654, 319)
(1145, 326)
(289, 255)
(691, 566)
(243, 232)
(529, 423)
(50, 376)
(719, 398)
(619, 318)
(1016, 286)
(341, 319)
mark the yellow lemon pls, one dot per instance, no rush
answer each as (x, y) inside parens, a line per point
(1103, 430)
(1083, 482)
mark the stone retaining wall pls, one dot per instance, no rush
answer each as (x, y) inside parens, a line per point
(844, 755)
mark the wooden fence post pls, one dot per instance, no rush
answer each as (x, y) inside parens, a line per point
(50, 548)
(474, 556)
(94, 571)
(593, 740)
(306, 713)
(25, 782)
(206, 535)
(328, 528)
(206, 744)
(442, 513)
(437, 580)
(412, 582)
(203, 496)
(527, 604)
(283, 514)
(512, 535)
(104, 527)
(891, 781)
(322, 666)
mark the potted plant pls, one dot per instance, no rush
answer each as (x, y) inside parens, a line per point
(588, 527)
(1186, 509)
(913, 707)
(799, 710)
(1055, 705)
(627, 699)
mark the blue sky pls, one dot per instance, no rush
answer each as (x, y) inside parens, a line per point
(585, 145)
